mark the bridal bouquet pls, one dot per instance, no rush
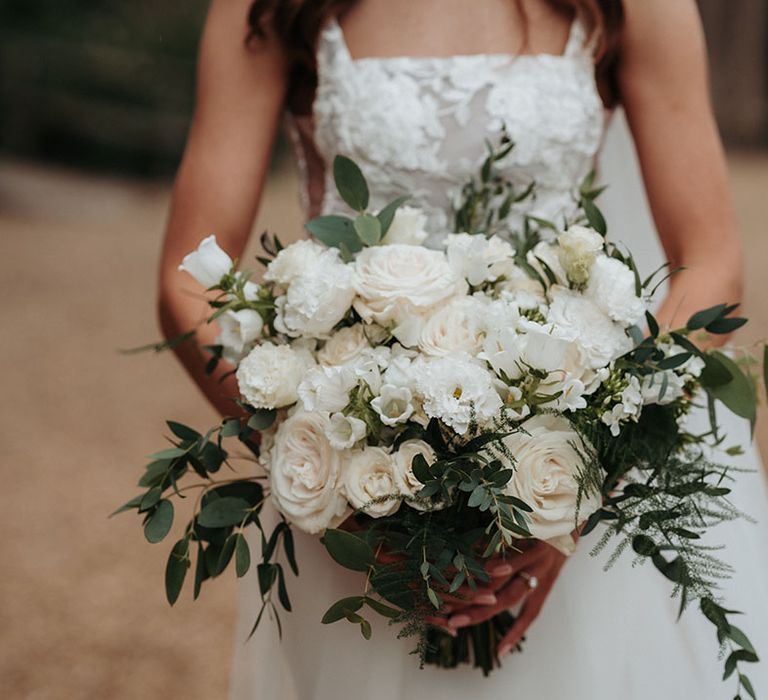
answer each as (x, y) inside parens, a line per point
(427, 410)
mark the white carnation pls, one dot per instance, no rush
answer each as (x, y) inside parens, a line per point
(270, 374)
(369, 475)
(294, 261)
(407, 228)
(612, 287)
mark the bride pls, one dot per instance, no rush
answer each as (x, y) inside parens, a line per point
(411, 89)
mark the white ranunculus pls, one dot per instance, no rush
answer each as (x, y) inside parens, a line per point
(393, 405)
(545, 477)
(475, 257)
(578, 248)
(294, 261)
(317, 300)
(407, 228)
(370, 475)
(453, 327)
(344, 346)
(268, 377)
(400, 284)
(457, 390)
(208, 264)
(612, 287)
(345, 431)
(406, 482)
(326, 388)
(306, 473)
(239, 329)
(577, 318)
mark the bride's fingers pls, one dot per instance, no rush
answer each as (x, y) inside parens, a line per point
(506, 598)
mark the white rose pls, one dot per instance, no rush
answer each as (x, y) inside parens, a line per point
(578, 318)
(400, 284)
(326, 388)
(393, 405)
(345, 431)
(370, 475)
(305, 474)
(578, 248)
(317, 300)
(475, 257)
(344, 346)
(270, 374)
(294, 262)
(453, 328)
(239, 329)
(208, 264)
(405, 480)
(612, 287)
(545, 477)
(407, 227)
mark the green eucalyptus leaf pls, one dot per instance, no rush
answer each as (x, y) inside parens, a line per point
(262, 418)
(348, 550)
(176, 570)
(387, 215)
(595, 217)
(335, 231)
(703, 318)
(230, 428)
(242, 555)
(420, 468)
(135, 502)
(183, 431)
(341, 608)
(223, 512)
(350, 183)
(159, 523)
(715, 373)
(381, 608)
(368, 228)
(738, 395)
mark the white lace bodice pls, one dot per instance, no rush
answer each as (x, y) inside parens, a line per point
(419, 126)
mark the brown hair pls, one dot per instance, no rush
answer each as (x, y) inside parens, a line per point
(297, 23)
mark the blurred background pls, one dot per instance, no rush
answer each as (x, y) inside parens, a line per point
(95, 100)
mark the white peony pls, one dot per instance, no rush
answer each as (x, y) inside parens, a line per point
(344, 346)
(345, 431)
(393, 405)
(326, 388)
(294, 261)
(208, 264)
(458, 391)
(578, 248)
(476, 258)
(407, 227)
(612, 287)
(239, 329)
(547, 464)
(453, 327)
(268, 377)
(305, 473)
(400, 284)
(370, 475)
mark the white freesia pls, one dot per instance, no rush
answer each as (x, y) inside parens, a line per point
(454, 327)
(305, 473)
(393, 405)
(547, 464)
(577, 249)
(612, 287)
(239, 329)
(208, 264)
(400, 284)
(628, 408)
(345, 431)
(407, 228)
(457, 390)
(369, 475)
(344, 346)
(475, 258)
(268, 377)
(294, 261)
(326, 388)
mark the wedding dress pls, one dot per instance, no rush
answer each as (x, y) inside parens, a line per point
(418, 126)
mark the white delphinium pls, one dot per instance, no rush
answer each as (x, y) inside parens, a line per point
(458, 391)
(407, 228)
(628, 408)
(345, 431)
(393, 404)
(294, 261)
(369, 482)
(239, 330)
(477, 258)
(326, 388)
(208, 264)
(454, 327)
(269, 376)
(577, 249)
(612, 288)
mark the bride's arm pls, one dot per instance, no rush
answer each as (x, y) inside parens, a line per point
(664, 89)
(240, 95)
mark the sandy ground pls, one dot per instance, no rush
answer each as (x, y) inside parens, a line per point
(82, 608)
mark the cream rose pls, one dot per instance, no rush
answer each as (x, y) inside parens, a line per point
(578, 248)
(344, 346)
(405, 480)
(453, 328)
(305, 473)
(407, 228)
(370, 475)
(269, 375)
(545, 477)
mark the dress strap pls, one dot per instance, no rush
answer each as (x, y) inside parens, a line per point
(332, 41)
(578, 43)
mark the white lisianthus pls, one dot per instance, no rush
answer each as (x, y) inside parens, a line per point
(547, 464)
(268, 377)
(208, 264)
(405, 480)
(239, 329)
(369, 475)
(577, 318)
(457, 390)
(612, 287)
(400, 284)
(345, 431)
(317, 300)
(344, 346)
(407, 228)
(393, 405)
(475, 257)
(294, 261)
(453, 327)
(326, 388)
(305, 473)
(578, 248)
